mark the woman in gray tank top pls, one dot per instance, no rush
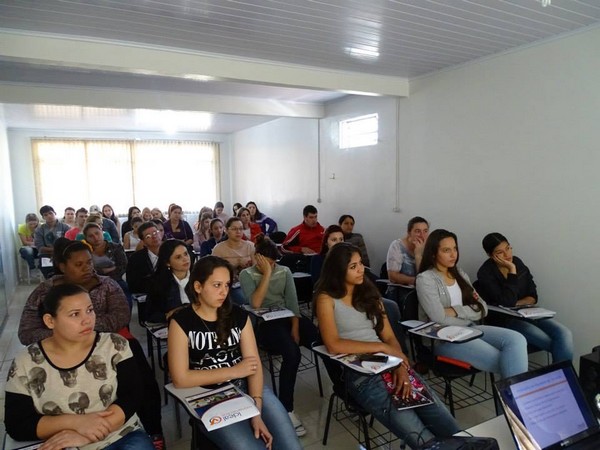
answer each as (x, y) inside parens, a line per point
(352, 320)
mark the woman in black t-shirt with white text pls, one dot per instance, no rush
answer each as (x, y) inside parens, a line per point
(212, 342)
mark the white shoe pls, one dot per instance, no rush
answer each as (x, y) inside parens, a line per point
(300, 430)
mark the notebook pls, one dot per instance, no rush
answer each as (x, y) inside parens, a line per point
(546, 410)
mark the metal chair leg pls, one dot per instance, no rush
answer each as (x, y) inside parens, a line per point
(319, 377)
(365, 431)
(328, 420)
(449, 396)
(272, 372)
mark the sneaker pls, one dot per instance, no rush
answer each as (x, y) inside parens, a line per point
(158, 441)
(300, 430)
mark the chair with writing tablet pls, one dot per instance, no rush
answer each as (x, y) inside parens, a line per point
(448, 369)
(498, 319)
(345, 409)
(270, 355)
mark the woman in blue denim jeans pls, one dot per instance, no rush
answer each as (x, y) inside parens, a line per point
(447, 297)
(212, 342)
(352, 320)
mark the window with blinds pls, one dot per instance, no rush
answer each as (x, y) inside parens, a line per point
(125, 173)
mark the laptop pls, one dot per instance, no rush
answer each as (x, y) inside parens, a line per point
(546, 410)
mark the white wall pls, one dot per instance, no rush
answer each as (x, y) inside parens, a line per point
(275, 165)
(509, 144)
(19, 141)
(512, 144)
(7, 220)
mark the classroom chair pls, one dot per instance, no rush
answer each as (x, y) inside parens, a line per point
(448, 369)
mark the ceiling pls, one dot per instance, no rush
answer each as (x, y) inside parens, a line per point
(256, 59)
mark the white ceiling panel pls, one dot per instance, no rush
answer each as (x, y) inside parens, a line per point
(288, 52)
(75, 118)
(410, 37)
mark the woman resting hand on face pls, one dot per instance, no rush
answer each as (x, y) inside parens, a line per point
(506, 281)
(446, 296)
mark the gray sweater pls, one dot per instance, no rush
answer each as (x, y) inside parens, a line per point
(434, 297)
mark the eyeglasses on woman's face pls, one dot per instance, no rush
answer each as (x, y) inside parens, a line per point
(151, 234)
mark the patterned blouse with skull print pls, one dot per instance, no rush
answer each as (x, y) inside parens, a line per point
(36, 387)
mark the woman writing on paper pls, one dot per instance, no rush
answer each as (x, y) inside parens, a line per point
(352, 320)
(447, 297)
(212, 342)
(267, 284)
(506, 281)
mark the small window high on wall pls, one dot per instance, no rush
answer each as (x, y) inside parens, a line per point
(359, 131)
(122, 173)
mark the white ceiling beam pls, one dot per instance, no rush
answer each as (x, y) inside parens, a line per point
(132, 58)
(133, 99)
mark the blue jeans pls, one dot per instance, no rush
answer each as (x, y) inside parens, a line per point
(136, 440)
(393, 312)
(499, 350)
(237, 296)
(240, 435)
(546, 334)
(414, 426)
(29, 254)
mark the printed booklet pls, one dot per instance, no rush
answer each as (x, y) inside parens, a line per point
(220, 407)
(527, 312)
(449, 333)
(272, 313)
(370, 363)
(419, 396)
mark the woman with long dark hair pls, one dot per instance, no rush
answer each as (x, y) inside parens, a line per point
(109, 213)
(133, 211)
(333, 235)
(217, 234)
(176, 227)
(202, 230)
(237, 252)
(506, 281)
(267, 225)
(346, 222)
(446, 296)
(166, 288)
(250, 229)
(212, 342)
(352, 320)
(109, 258)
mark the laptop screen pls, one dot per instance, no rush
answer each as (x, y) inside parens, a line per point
(547, 405)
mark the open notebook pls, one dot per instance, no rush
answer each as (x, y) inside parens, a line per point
(546, 410)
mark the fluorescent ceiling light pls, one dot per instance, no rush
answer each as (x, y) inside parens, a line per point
(368, 53)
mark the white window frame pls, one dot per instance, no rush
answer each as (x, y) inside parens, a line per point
(361, 131)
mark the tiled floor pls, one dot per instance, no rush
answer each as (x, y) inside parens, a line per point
(310, 407)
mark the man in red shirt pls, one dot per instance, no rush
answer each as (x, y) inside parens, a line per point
(307, 237)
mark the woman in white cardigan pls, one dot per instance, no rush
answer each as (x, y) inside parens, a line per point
(447, 297)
